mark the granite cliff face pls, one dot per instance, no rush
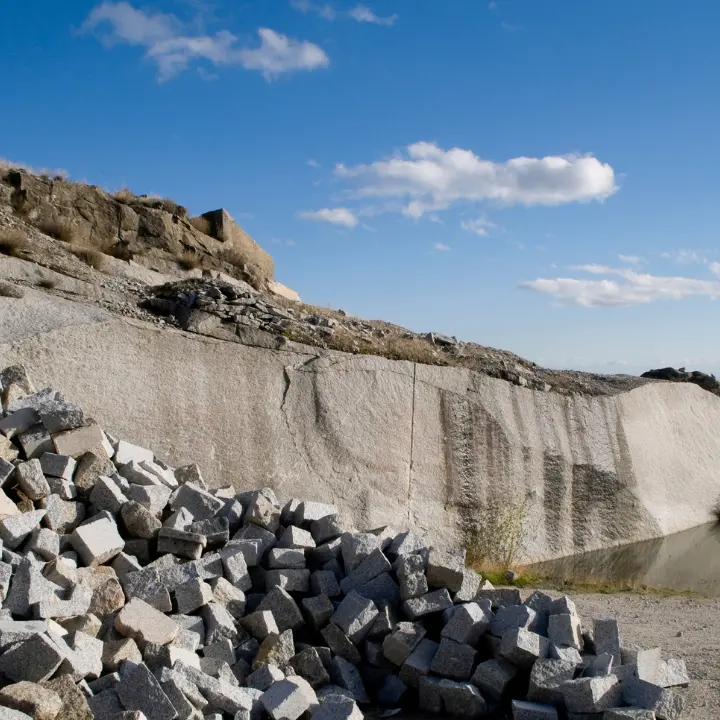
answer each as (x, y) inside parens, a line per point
(389, 442)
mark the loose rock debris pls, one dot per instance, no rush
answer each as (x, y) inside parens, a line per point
(131, 590)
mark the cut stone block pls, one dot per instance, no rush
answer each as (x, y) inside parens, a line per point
(61, 515)
(469, 587)
(453, 660)
(79, 441)
(264, 677)
(565, 653)
(285, 700)
(326, 552)
(372, 566)
(59, 415)
(106, 495)
(324, 582)
(219, 624)
(284, 609)
(672, 673)
(34, 660)
(628, 714)
(192, 595)
(231, 598)
(139, 521)
(97, 542)
(462, 699)
(35, 441)
(236, 570)
(75, 706)
(264, 510)
(565, 630)
(562, 606)
(165, 475)
(354, 616)
(522, 647)
(606, 637)
(336, 707)
(64, 488)
(546, 678)
(346, 675)
(114, 653)
(78, 603)
(31, 481)
(308, 512)
(90, 468)
(667, 704)
(251, 549)
(432, 602)
(398, 645)
(446, 569)
(468, 623)
(17, 631)
(45, 543)
(512, 616)
(318, 610)
(29, 587)
(326, 528)
(6, 467)
(190, 474)
(18, 422)
(309, 665)
(522, 710)
(355, 547)
(591, 695)
(145, 624)
(275, 650)
(411, 576)
(135, 474)
(153, 497)
(180, 520)
(33, 699)
(126, 452)
(180, 542)
(260, 624)
(216, 530)
(340, 644)
(198, 502)
(124, 564)
(139, 690)
(493, 677)
(279, 558)
(418, 662)
(290, 580)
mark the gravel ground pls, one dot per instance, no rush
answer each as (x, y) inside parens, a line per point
(650, 621)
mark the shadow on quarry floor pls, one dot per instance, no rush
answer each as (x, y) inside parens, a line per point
(688, 560)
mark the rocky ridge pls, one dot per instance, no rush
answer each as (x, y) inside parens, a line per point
(130, 590)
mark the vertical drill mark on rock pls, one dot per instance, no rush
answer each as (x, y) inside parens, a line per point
(412, 441)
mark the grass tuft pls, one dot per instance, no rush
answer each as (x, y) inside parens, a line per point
(201, 224)
(47, 282)
(56, 228)
(92, 258)
(189, 259)
(13, 242)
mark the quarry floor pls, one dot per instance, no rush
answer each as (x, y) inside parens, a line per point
(650, 621)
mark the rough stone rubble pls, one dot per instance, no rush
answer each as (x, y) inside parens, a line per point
(130, 590)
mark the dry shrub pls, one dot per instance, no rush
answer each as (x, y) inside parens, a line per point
(124, 195)
(47, 282)
(12, 242)
(231, 256)
(120, 250)
(56, 228)
(93, 258)
(201, 224)
(412, 349)
(189, 259)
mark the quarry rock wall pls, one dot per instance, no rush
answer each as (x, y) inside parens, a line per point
(397, 443)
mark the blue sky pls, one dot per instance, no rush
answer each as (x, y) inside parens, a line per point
(535, 176)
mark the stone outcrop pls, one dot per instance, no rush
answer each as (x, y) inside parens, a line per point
(236, 604)
(705, 381)
(385, 440)
(150, 230)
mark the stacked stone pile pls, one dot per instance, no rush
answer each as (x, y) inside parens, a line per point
(130, 590)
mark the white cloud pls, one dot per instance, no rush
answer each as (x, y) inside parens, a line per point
(364, 14)
(312, 163)
(492, 5)
(335, 216)
(633, 288)
(441, 247)
(685, 257)
(429, 178)
(325, 11)
(168, 44)
(631, 259)
(478, 227)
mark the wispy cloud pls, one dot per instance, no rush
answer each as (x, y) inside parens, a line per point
(325, 11)
(441, 247)
(429, 178)
(478, 226)
(364, 14)
(360, 13)
(335, 216)
(631, 259)
(686, 257)
(169, 44)
(312, 163)
(632, 288)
